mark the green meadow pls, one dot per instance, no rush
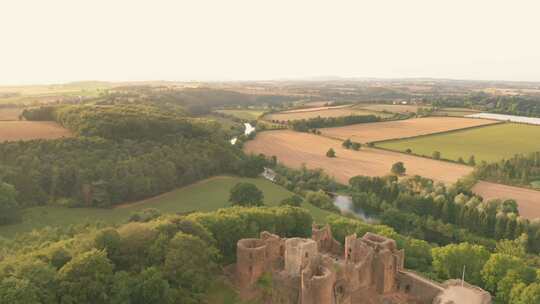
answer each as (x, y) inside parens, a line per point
(488, 143)
(243, 114)
(206, 195)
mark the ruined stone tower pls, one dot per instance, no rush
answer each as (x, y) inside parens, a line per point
(367, 270)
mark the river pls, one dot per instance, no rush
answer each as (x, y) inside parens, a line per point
(248, 129)
(344, 203)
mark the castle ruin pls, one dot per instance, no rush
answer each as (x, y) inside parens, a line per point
(320, 270)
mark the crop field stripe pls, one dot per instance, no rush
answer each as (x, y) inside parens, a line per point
(391, 130)
(489, 143)
(437, 133)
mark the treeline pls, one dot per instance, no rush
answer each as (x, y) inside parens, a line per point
(176, 259)
(195, 101)
(305, 125)
(519, 170)
(173, 259)
(138, 122)
(96, 172)
(304, 179)
(425, 210)
(513, 105)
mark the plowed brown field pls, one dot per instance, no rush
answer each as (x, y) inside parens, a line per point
(378, 131)
(27, 130)
(10, 113)
(528, 200)
(294, 149)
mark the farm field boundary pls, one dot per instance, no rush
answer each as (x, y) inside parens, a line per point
(392, 130)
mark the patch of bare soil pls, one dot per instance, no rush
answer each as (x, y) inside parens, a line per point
(28, 130)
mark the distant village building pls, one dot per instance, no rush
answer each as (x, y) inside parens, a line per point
(269, 174)
(367, 270)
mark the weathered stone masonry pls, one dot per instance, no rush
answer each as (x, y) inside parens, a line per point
(321, 271)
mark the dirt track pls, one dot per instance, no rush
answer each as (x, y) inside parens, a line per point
(27, 130)
(294, 148)
(528, 200)
(402, 128)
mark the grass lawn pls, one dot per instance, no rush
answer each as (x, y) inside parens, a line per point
(243, 114)
(206, 195)
(489, 143)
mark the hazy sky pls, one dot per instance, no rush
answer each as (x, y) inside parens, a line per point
(44, 41)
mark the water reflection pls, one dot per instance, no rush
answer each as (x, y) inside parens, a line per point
(248, 130)
(345, 205)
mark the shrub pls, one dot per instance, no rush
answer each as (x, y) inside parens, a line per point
(145, 215)
(398, 168)
(331, 153)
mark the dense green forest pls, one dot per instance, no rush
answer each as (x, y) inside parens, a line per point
(170, 260)
(175, 259)
(122, 153)
(196, 101)
(513, 105)
(305, 125)
(520, 170)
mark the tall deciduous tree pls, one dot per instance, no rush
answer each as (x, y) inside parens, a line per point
(246, 194)
(190, 262)
(9, 208)
(85, 279)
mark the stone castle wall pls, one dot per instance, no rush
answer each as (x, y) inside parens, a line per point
(298, 253)
(321, 271)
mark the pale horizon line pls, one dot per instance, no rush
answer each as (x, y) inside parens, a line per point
(316, 78)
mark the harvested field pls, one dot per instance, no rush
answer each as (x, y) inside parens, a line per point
(294, 149)
(390, 108)
(490, 143)
(27, 130)
(10, 113)
(386, 130)
(337, 111)
(528, 200)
